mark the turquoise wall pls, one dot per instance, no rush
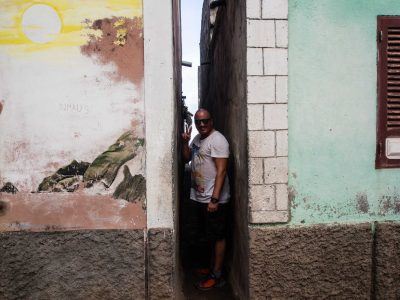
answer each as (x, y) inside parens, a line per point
(332, 113)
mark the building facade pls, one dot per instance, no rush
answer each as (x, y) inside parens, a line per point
(321, 219)
(90, 175)
(87, 166)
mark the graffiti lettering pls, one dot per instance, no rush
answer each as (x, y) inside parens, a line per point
(74, 108)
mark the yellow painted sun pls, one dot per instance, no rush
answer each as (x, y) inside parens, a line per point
(41, 23)
(35, 25)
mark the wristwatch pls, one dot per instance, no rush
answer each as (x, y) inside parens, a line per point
(214, 200)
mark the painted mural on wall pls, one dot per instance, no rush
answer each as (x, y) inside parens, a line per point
(71, 115)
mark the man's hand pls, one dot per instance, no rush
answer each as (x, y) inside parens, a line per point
(187, 134)
(212, 207)
(185, 147)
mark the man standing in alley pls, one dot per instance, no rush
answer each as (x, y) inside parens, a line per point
(209, 193)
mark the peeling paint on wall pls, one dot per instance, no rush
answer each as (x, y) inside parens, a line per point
(72, 136)
(119, 42)
(362, 202)
(389, 205)
(69, 211)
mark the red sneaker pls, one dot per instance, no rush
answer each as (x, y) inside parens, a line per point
(210, 282)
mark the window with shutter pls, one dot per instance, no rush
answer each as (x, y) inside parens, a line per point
(388, 126)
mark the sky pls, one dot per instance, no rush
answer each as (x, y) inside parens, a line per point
(191, 23)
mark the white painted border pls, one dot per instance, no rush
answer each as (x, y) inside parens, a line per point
(159, 111)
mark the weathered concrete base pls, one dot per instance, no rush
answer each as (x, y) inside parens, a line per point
(387, 261)
(98, 264)
(161, 264)
(311, 262)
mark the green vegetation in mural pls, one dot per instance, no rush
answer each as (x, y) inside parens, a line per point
(104, 170)
(107, 164)
(132, 188)
(66, 179)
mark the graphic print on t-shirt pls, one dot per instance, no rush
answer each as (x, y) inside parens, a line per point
(197, 177)
(204, 152)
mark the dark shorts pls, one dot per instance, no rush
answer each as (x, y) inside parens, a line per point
(208, 225)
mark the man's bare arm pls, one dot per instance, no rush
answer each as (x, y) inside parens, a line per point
(221, 165)
(186, 152)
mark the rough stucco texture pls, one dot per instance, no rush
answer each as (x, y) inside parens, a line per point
(72, 265)
(161, 263)
(311, 262)
(223, 92)
(387, 260)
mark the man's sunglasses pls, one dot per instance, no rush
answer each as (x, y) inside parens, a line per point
(199, 121)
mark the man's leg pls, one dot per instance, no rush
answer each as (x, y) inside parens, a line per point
(218, 227)
(219, 256)
(216, 232)
(200, 253)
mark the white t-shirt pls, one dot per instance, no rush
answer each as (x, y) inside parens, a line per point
(204, 169)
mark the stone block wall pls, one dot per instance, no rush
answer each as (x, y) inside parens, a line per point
(267, 120)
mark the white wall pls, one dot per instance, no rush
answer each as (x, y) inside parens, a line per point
(159, 112)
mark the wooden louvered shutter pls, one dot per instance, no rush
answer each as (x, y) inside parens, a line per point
(388, 125)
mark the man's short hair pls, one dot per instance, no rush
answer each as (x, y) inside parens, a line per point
(203, 110)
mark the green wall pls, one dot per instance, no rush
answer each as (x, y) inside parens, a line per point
(332, 113)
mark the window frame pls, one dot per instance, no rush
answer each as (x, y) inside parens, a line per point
(383, 131)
